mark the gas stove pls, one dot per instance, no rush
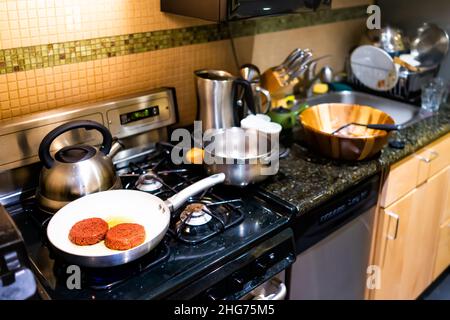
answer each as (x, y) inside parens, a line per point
(221, 244)
(211, 228)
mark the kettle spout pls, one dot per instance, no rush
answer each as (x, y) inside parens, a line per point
(116, 147)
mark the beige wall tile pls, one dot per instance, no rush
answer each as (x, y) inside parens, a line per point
(31, 22)
(270, 49)
(338, 4)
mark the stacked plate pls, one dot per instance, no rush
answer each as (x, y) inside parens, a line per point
(374, 67)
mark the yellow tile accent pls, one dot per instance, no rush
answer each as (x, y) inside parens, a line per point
(101, 79)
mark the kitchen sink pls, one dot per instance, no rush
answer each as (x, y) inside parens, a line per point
(400, 112)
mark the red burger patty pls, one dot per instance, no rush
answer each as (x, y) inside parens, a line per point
(125, 236)
(88, 231)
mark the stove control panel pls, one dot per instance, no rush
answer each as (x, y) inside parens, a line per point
(143, 113)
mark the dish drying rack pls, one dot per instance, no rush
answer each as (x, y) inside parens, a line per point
(408, 87)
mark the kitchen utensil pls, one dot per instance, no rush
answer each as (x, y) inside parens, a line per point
(245, 156)
(275, 83)
(75, 171)
(297, 71)
(409, 83)
(404, 64)
(218, 96)
(320, 121)
(384, 127)
(374, 67)
(287, 118)
(298, 64)
(390, 39)
(250, 72)
(289, 59)
(119, 206)
(326, 74)
(261, 96)
(431, 45)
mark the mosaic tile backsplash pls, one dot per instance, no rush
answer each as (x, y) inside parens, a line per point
(59, 52)
(55, 54)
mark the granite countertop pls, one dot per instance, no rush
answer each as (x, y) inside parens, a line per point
(308, 180)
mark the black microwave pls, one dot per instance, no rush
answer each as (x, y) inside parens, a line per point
(227, 10)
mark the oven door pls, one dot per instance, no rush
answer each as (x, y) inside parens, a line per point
(260, 268)
(274, 289)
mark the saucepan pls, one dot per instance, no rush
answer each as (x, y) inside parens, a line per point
(119, 206)
(245, 156)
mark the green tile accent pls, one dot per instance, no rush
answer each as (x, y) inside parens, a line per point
(55, 54)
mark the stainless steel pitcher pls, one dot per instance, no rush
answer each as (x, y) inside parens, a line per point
(218, 98)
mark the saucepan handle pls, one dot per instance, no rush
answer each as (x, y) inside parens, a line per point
(177, 200)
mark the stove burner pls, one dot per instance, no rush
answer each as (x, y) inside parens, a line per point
(205, 217)
(196, 214)
(148, 182)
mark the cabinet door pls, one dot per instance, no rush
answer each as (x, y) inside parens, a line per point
(394, 243)
(443, 249)
(446, 213)
(439, 154)
(409, 241)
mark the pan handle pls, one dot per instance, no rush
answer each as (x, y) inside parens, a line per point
(177, 200)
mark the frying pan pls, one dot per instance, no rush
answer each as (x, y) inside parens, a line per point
(119, 206)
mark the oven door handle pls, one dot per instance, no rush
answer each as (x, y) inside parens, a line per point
(279, 295)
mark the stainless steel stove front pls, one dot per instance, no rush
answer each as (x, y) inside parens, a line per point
(138, 120)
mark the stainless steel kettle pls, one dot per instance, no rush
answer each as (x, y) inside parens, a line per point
(77, 170)
(218, 95)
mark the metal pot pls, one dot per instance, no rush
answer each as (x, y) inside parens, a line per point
(75, 171)
(245, 156)
(431, 45)
(390, 39)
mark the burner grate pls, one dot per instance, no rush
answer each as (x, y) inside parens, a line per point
(107, 278)
(224, 215)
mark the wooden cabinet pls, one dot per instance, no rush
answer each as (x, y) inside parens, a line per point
(443, 250)
(442, 260)
(412, 239)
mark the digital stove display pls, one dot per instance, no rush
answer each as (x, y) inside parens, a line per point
(129, 117)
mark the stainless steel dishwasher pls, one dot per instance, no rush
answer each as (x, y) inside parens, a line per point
(333, 246)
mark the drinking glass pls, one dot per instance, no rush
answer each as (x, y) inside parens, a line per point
(434, 93)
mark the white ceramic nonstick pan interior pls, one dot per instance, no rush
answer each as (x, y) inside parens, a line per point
(119, 206)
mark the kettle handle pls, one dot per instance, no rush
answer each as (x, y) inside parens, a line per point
(44, 147)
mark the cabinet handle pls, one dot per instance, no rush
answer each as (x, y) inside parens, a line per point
(397, 222)
(433, 156)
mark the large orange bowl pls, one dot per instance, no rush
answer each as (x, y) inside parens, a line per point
(352, 143)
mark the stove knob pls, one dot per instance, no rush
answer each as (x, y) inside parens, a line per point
(211, 295)
(260, 268)
(238, 282)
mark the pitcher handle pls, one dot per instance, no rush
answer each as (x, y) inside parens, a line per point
(265, 93)
(248, 93)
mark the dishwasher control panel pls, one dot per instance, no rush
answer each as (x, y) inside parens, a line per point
(322, 221)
